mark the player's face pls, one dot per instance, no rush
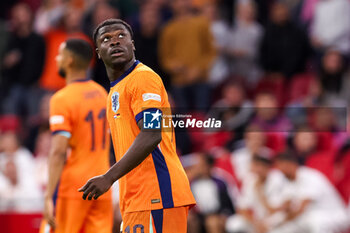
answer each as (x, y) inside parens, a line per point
(61, 60)
(115, 45)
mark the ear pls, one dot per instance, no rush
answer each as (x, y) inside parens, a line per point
(133, 45)
(70, 60)
(98, 54)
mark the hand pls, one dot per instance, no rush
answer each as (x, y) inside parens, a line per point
(48, 212)
(95, 187)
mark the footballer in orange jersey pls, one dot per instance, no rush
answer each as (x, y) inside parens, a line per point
(154, 190)
(78, 123)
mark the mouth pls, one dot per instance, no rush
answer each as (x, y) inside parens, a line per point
(116, 52)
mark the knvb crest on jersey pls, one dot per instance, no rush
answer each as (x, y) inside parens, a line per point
(115, 101)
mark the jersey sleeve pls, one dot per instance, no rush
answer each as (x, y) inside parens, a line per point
(60, 117)
(147, 93)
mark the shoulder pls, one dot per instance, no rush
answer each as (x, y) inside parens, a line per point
(98, 87)
(143, 75)
(310, 174)
(62, 96)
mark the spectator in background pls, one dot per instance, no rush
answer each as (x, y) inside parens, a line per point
(19, 189)
(254, 144)
(42, 149)
(233, 109)
(48, 15)
(268, 116)
(146, 37)
(220, 29)
(295, 10)
(187, 60)
(259, 199)
(311, 202)
(99, 12)
(304, 144)
(331, 26)
(330, 125)
(70, 26)
(213, 201)
(22, 64)
(284, 48)
(244, 43)
(38, 122)
(332, 72)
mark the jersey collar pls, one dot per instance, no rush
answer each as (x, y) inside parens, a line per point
(126, 73)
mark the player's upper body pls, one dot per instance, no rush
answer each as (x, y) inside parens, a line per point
(148, 168)
(80, 142)
(159, 181)
(78, 111)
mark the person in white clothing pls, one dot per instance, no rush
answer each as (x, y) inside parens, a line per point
(241, 158)
(260, 198)
(312, 204)
(19, 190)
(331, 25)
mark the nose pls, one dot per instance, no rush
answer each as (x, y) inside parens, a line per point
(115, 41)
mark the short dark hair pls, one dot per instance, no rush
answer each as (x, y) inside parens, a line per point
(111, 22)
(82, 50)
(288, 155)
(263, 159)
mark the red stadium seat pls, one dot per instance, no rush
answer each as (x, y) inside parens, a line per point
(300, 86)
(9, 123)
(20, 223)
(324, 162)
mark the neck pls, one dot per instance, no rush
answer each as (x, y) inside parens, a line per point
(293, 174)
(75, 75)
(114, 72)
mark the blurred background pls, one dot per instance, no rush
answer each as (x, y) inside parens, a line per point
(276, 72)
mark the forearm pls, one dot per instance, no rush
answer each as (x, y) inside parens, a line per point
(143, 145)
(56, 164)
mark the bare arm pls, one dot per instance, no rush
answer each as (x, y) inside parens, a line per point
(57, 158)
(144, 143)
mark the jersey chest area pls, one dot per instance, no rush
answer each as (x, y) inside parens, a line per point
(119, 105)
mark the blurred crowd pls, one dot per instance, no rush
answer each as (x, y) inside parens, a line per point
(275, 72)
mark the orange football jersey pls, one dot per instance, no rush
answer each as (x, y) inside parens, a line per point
(78, 111)
(160, 180)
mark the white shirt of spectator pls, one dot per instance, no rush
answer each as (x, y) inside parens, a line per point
(241, 160)
(26, 196)
(311, 184)
(331, 24)
(206, 194)
(326, 213)
(274, 185)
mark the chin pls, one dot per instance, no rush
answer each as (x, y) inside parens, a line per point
(119, 61)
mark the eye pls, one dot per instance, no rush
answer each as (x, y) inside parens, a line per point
(105, 39)
(121, 35)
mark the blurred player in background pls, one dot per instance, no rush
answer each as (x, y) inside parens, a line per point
(78, 122)
(154, 190)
